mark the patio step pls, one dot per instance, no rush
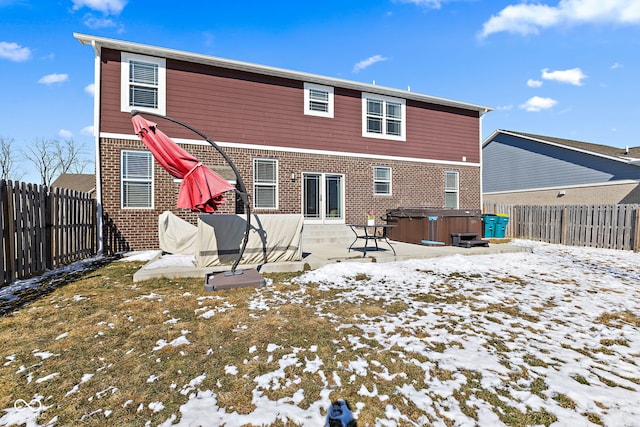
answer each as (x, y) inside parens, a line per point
(317, 234)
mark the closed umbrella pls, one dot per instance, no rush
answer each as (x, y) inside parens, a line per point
(201, 189)
(195, 191)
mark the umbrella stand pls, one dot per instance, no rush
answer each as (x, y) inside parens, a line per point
(233, 278)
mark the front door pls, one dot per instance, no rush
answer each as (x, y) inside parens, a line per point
(323, 198)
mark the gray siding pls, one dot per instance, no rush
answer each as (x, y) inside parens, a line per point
(511, 163)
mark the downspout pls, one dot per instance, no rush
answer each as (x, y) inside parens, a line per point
(96, 136)
(481, 167)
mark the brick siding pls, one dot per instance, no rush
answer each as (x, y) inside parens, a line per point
(413, 184)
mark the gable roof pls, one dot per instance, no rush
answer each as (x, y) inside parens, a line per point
(627, 154)
(98, 42)
(83, 182)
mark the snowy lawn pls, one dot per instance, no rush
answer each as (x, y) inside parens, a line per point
(544, 338)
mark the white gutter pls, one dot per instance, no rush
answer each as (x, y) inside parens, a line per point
(559, 145)
(568, 187)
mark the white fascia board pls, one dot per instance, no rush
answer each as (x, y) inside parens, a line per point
(490, 137)
(131, 137)
(567, 187)
(272, 71)
(566, 147)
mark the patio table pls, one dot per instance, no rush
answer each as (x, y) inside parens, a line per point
(371, 232)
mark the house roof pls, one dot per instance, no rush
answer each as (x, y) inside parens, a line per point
(626, 154)
(85, 183)
(98, 42)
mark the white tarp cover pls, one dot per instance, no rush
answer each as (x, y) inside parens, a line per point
(176, 235)
(274, 237)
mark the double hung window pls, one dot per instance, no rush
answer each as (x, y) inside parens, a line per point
(451, 189)
(143, 83)
(381, 180)
(265, 183)
(136, 179)
(383, 117)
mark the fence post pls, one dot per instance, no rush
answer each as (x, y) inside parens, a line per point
(636, 231)
(4, 233)
(48, 219)
(563, 226)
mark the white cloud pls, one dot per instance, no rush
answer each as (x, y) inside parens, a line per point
(63, 133)
(54, 78)
(208, 38)
(534, 83)
(526, 18)
(90, 89)
(14, 52)
(87, 130)
(616, 65)
(504, 107)
(95, 23)
(430, 4)
(574, 76)
(537, 103)
(368, 62)
(107, 7)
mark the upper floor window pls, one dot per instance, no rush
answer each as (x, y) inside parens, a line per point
(265, 183)
(451, 189)
(143, 83)
(382, 180)
(383, 117)
(136, 177)
(318, 100)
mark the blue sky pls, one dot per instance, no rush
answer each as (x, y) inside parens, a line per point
(565, 68)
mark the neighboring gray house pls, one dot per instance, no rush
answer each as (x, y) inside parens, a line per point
(522, 168)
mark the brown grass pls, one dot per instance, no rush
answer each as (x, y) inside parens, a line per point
(101, 335)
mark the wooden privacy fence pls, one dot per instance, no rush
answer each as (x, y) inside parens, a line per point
(43, 228)
(600, 226)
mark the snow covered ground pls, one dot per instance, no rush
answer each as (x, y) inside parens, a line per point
(565, 318)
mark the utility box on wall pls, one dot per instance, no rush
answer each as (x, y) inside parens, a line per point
(412, 224)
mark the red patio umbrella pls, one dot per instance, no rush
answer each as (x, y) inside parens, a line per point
(201, 188)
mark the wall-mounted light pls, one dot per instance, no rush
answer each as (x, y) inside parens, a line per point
(293, 176)
(561, 193)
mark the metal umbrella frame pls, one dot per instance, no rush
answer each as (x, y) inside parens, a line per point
(241, 191)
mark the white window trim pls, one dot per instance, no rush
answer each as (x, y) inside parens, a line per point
(276, 185)
(127, 57)
(390, 181)
(457, 189)
(403, 119)
(122, 180)
(307, 110)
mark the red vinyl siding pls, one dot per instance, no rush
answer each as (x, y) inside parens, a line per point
(242, 107)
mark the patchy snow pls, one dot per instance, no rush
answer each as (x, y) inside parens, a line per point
(143, 256)
(527, 315)
(48, 280)
(181, 340)
(172, 260)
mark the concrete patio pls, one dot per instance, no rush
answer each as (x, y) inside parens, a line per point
(321, 246)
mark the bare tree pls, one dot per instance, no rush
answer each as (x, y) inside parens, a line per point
(68, 157)
(7, 160)
(52, 157)
(43, 156)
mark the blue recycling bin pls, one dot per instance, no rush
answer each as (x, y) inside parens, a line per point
(489, 221)
(501, 226)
